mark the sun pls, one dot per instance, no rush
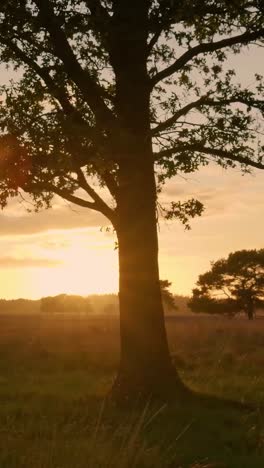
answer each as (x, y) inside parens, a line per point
(85, 266)
(87, 271)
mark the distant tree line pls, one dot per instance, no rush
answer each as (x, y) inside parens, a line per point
(19, 306)
(233, 285)
(103, 304)
(64, 304)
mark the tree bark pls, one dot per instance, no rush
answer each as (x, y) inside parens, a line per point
(145, 366)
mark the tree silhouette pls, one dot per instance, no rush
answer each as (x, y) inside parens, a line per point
(125, 95)
(167, 296)
(232, 285)
(65, 304)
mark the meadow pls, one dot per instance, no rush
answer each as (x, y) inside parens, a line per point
(55, 372)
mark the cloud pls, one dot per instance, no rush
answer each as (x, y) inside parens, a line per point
(13, 262)
(60, 218)
(223, 193)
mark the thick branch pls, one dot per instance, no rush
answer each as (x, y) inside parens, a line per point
(220, 153)
(104, 208)
(154, 39)
(256, 103)
(92, 92)
(244, 38)
(108, 180)
(71, 198)
(57, 93)
(205, 101)
(47, 187)
(100, 16)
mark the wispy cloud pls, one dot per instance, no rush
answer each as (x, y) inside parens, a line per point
(13, 262)
(60, 218)
(222, 192)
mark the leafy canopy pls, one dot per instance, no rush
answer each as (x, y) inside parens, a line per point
(60, 118)
(167, 296)
(232, 285)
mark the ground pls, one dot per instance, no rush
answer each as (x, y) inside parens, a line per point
(55, 372)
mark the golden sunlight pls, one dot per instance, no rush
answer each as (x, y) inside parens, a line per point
(83, 271)
(84, 262)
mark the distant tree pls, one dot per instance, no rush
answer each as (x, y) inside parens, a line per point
(167, 296)
(66, 304)
(110, 309)
(124, 95)
(182, 303)
(47, 305)
(232, 285)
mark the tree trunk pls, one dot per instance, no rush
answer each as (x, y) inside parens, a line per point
(145, 367)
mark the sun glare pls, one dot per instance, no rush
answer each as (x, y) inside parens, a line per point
(87, 271)
(86, 264)
(83, 271)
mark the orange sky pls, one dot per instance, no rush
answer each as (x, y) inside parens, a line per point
(64, 250)
(61, 250)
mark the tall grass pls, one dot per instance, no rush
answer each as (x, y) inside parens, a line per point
(56, 371)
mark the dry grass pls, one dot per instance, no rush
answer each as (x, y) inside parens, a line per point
(220, 356)
(55, 371)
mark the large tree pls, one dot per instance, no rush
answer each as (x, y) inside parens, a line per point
(128, 93)
(234, 284)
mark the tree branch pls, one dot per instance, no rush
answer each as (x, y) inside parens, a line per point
(154, 39)
(183, 111)
(110, 183)
(95, 206)
(91, 90)
(104, 208)
(256, 103)
(205, 101)
(100, 15)
(210, 151)
(57, 93)
(244, 38)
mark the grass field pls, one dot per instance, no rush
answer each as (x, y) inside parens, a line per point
(55, 372)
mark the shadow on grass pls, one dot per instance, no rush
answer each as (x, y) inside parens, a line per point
(198, 430)
(88, 432)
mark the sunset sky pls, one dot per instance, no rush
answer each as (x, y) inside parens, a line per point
(65, 249)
